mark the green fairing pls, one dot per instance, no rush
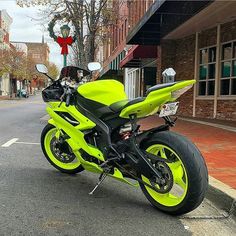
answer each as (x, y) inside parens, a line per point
(76, 140)
(103, 91)
(106, 92)
(154, 100)
(77, 137)
(89, 134)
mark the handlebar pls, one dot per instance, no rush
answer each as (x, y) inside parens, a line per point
(66, 95)
(68, 98)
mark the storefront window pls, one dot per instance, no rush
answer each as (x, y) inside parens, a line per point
(202, 88)
(224, 86)
(211, 87)
(228, 69)
(233, 87)
(203, 72)
(234, 49)
(212, 71)
(234, 68)
(212, 54)
(225, 71)
(203, 56)
(226, 51)
(207, 71)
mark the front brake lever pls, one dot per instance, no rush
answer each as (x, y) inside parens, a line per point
(62, 98)
(61, 101)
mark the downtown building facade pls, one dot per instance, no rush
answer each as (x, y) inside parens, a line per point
(196, 38)
(35, 52)
(5, 23)
(17, 54)
(38, 53)
(115, 49)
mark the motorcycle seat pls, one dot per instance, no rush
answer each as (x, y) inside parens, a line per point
(160, 86)
(118, 106)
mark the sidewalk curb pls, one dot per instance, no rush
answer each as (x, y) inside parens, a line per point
(225, 127)
(222, 195)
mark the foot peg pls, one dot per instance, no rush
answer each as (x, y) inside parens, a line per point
(101, 178)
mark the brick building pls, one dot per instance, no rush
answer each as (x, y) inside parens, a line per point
(19, 52)
(5, 23)
(140, 63)
(114, 44)
(128, 13)
(37, 53)
(197, 39)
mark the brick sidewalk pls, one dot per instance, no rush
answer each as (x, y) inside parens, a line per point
(218, 146)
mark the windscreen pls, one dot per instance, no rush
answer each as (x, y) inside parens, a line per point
(73, 73)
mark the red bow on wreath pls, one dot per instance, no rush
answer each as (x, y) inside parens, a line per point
(64, 42)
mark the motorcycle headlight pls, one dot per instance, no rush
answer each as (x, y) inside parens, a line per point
(177, 93)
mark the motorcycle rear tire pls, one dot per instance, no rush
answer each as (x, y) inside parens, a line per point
(189, 171)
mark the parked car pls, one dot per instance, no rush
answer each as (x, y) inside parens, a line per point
(22, 93)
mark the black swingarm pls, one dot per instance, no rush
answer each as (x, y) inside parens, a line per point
(141, 160)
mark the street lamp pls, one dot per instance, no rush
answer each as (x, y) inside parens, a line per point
(63, 41)
(65, 31)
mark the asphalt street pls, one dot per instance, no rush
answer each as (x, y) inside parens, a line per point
(36, 199)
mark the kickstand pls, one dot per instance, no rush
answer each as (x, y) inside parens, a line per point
(101, 178)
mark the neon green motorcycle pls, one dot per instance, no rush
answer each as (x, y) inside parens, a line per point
(94, 127)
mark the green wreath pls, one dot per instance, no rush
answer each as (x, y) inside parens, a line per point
(52, 24)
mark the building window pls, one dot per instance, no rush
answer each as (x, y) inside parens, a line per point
(126, 24)
(36, 56)
(207, 71)
(122, 32)
(228, 69)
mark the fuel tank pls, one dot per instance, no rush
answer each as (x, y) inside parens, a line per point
(106, 92)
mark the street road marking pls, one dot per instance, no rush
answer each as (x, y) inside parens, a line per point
(14, 141)
(10, 142)
(28, 143)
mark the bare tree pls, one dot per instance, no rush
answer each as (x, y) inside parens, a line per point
(13, 62)
(88, 17)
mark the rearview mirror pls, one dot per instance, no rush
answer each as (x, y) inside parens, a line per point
(92, 66)
(41, 68)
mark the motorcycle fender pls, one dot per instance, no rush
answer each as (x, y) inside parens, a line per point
(52, 122)
(148, 133)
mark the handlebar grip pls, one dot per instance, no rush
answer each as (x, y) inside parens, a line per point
(68, 99)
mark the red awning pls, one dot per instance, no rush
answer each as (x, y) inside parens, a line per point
(135, 55)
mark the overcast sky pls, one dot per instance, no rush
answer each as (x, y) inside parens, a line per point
(25, 29)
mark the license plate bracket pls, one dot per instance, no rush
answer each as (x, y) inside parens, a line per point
(169, 109)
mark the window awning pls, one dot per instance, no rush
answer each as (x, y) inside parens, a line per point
(136, 55)
(162, 17)
(112, 68)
